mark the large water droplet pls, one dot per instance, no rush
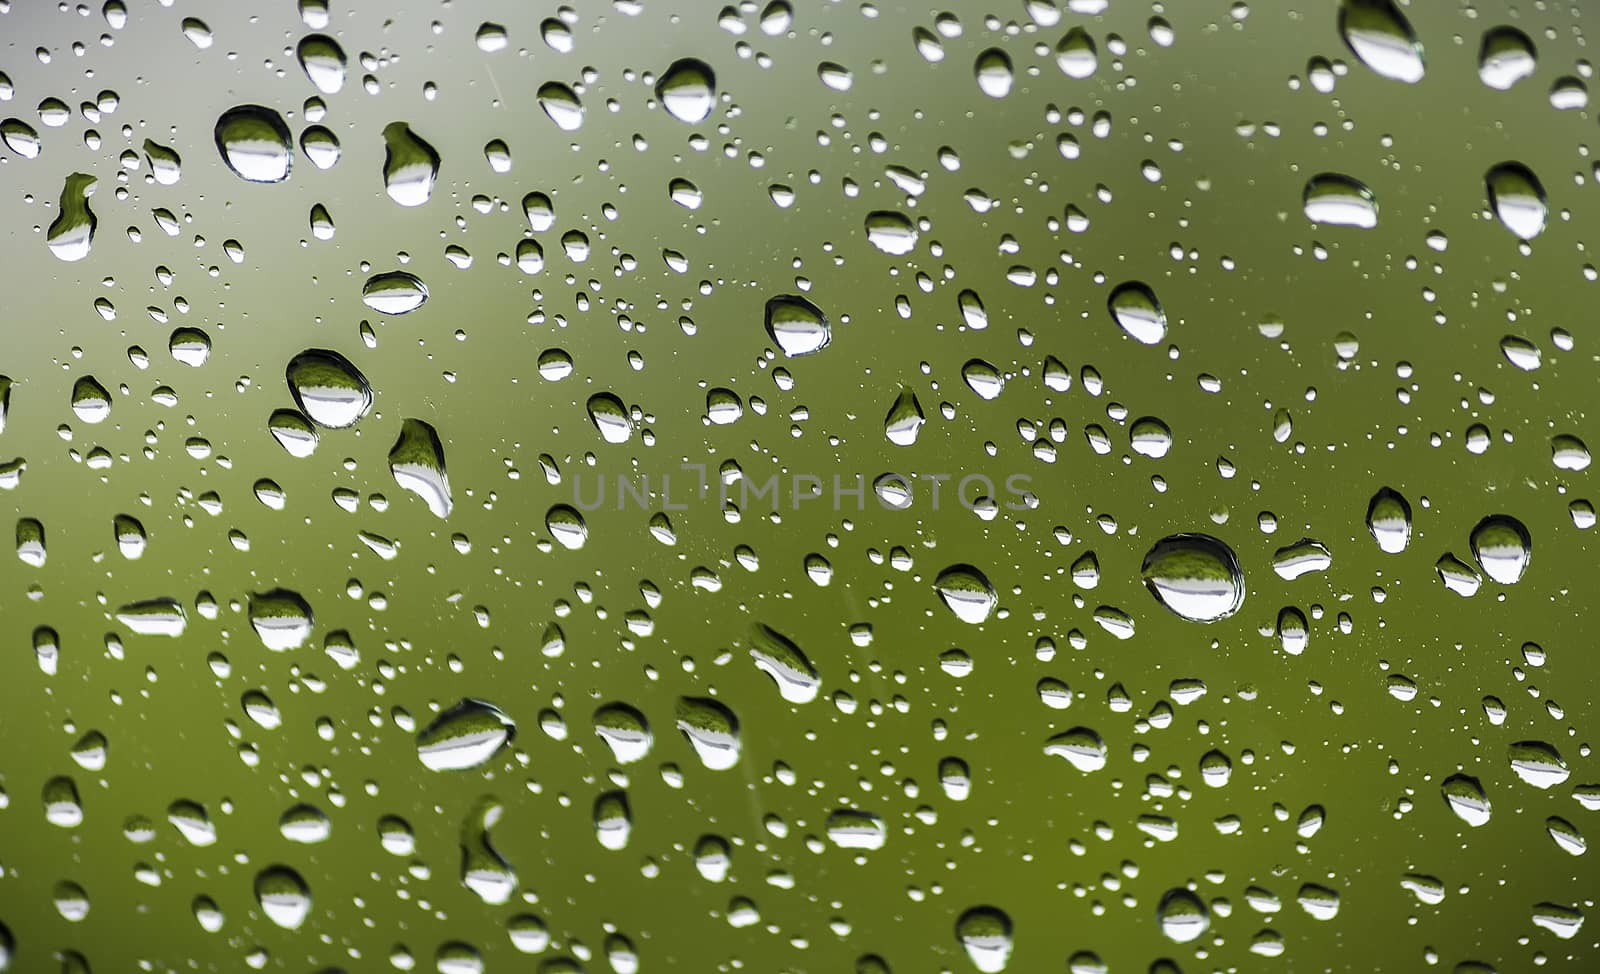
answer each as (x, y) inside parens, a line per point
(1301, 558)
(1517, 198)
(562, 105)
(711, 729)
(483, 870)
(154, 617)
(1505, 57)
(1136, 310)
(903, 423)
(90, 400)
(417, 463)
(610, 417)
(394, 293)
(778, 657)
(891, 232)
(1080, 747)
(1381, 36)
(410, 165)
(1339, 200)
(850, 828)
(1502, 547)
(967, 593)
(71, 233)
(281, 618)
(625, 731)
(1183, 917)
(1538, 763)
(255, 143)
(323, 61)
(284, 896)
(1195, 576)
(1465, 796)
(797, 326)
(465, 736)
(328, 388)
(688, 90)
(1389, 520)
(993, 70)
(984, 932)
(1076, 55)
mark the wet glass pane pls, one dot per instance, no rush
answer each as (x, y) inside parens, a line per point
(1088, 485)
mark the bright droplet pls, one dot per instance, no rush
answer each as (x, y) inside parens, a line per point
(284, 896)
(1381, 36)
(1134, 308)
(1505, 57)
(797, 326)
(465, 736)
(255, 143)
(1517, 198)
(688, 90)
(328, 388)
(712, 730)
(891, 232)
(417, 463)
(394, 293)
(1338, 200)
(323, 61)
(1389, 520)
(1466, 798)
(1195, 576)
(410, 165)
(281, 619)
(71, 233)
(967, 593)
(984, 932)
(1502, 547)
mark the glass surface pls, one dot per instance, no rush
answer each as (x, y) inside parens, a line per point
(813, 487)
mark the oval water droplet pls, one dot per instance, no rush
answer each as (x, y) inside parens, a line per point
(850, 828)
(1080, 747)
(1136, 310)
(328, 388)
(561, 104)
(903, 423)
(688, 90)
(610, 417)
(967, 593)
(993, 70)
(985, 933)
(284, 897)
(416, 461)
(1502, 546)
(711, 729)
(90, 400)
(1301, 558)
(891, 232)
(281, 618)
(1183, 917)
(465, 736)
(1381, 37)
(1076, 55)
(1538, 763)
(797, 326)
(255, 143)
(154, 617)
(1195, 577)
(1389, 520)
(1466, 798)
(394, 293)
(1338, 200)
(1517, 198)
(625, 731)
(323, 61)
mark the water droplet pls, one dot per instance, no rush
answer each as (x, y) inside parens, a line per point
(1081, 747)
(1389, 520)
(281, 618)
(394, 293)
(983, 378)
(967, 593)
(62, 807)
(1538, 763)
(154, 617)
(905, 418)
(20, 137)
(1134, 308)
(410, 165)
(1505, 57)
(567, 526)
(1466, 798)
(712, 858)
(1381, 36)
(321, 146)
(417, 463)
(328, 388)
(1076, 55)
(71, 233)
(465, 736)
(797, 326)
(293, 432)
(1458, 576)
(284, 896)
(484, 870)
(1149, 437)
(850, 828)
(625, 731)
(891, 232)
(1338, 200)
(688, 90)
(1294, 634)
(1195, 576)
(1517, 198)
(610, 417)
(90, 400)
(1559, 919)
(1502, 547)
(255, 143)
(984, 932)
(778, 657)
(1568, 452)
(711, 729)
(562, 105)
(305, 824)
(1301, 558)
(993, 70)
(323, 61)
(1183, 917)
